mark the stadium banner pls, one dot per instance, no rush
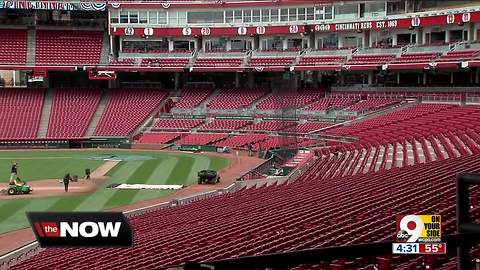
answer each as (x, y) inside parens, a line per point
(53, 5)
(400, 23)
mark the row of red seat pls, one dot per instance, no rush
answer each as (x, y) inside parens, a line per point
(218, 62)
(68, 47)
(71, 112)
(298, 99)
(234, 98)
(331, 103)
(270, 61)
(372, 104)
(13, 44)
(126, 109)
(176, 124)
(422, 119)
(165, 62)
(20, 112)
(201, 139)
(192, 96)
(122, 62)
(225, 124)
(157, 138)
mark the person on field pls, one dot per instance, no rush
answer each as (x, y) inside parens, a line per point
(66, 181)
(19, 182)
(87, 174)
(13, 173)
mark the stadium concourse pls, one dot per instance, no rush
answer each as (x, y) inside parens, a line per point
(336, 118)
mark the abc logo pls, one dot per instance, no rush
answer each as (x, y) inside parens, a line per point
(402, 236)
(410, 228)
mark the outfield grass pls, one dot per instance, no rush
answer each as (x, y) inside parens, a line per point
(164, 168)
(45, 164)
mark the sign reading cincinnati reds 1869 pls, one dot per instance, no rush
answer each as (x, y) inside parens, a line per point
(357, 26)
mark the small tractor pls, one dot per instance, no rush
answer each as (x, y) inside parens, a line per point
(19, 187)
(208, 177)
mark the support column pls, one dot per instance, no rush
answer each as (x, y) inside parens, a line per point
(250, 80)
(111, 45)
(469, 27)
(295, 81)
(424, 78)
(370, 78)
(229, 45)
(285, 43)
(447, 36)
(394, 40)
(204, 45)
(256, 42)
(170, 45)
(237, 80)
(197, 43)
(366, 40)
(474, 32)
(342, 79)
(420, 36)
(177, 80)
(451, 77)
(315, 79)
(477, 78)
(340, 41)
(398, 78)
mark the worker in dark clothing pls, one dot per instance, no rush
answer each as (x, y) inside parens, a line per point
(66, 181)
(250, 149)
(87, 174)
(13, 173)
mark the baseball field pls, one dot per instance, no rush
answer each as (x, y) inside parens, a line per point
(132, 167)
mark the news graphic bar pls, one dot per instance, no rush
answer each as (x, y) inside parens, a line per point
(81, 229)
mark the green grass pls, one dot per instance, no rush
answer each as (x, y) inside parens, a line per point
(43, 165)
(163, 168)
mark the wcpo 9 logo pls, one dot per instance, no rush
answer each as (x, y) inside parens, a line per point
(419, 228)
(81, 229)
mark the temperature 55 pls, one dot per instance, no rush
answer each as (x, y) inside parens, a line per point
(433, 248)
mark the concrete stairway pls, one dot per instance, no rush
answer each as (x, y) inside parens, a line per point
(105, 50)
(31, 44)
(45, 117)
(98, 114)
